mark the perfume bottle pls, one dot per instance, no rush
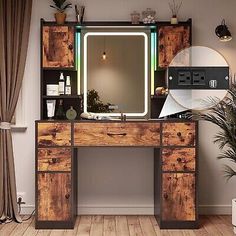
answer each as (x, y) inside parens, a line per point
(71, 113)
(61, 84)
(68, 86)
(60, 114)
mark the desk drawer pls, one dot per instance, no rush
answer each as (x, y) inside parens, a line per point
(178, 159)
(178, 134)
(54, 134)
(117, 134)
(54, 159)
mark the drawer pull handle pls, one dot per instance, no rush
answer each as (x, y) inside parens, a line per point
(54, 160)
(179, 134)
(67, 196)
(179, 159)
(70, 47)
(116, 134)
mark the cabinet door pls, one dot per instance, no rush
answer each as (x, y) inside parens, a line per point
(54, 197)
(178, 197)
(58, 46)
(172, 39)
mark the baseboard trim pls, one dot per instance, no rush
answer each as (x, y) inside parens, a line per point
(134, 210)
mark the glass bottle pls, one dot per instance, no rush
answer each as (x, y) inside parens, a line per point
(60, 114)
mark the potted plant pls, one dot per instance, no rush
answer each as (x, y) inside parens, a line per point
(223, 114)
(60, 6)
(174, 7)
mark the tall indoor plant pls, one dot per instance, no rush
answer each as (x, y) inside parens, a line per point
(223, 114)
(60, 6)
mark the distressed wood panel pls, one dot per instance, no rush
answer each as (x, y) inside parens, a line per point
(178, 134)
(117, 134)
(54, 159)
(58, 46)
(54, 196)
(178, 159)
(178, 197)
(172, 39)
(54, 134)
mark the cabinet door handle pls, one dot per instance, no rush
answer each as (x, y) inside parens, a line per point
(67, 196)
(116, 134)
(179, 134)
(70, 47)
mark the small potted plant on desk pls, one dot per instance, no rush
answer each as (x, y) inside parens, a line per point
(60, 6)
(223, 114)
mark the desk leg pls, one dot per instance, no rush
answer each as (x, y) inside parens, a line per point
(157, 183)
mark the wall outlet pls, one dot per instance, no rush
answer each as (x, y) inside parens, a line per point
(21, 195)
(199, 78)
(184, 78)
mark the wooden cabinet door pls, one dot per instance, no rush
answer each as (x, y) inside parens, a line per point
(178, 197)
(171, 40)
(58, 46)
(54, 197)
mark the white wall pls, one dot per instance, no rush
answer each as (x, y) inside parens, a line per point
(117, 178)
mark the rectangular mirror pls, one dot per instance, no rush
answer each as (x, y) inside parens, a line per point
(116, 72)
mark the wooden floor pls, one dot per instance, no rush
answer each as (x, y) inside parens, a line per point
(121, 226)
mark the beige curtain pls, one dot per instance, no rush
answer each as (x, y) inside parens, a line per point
(14, 34)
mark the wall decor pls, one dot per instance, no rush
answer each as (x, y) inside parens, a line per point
(174, 7)
(60, 6)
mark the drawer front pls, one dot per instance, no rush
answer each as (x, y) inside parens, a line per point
(117, 134)
(54, 159)
(54, 134)
(54, 197)
(178, 159)
(178, 197)
(179, 134)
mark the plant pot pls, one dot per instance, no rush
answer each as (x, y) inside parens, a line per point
(60, 17)
(234, 214)
(174, 20)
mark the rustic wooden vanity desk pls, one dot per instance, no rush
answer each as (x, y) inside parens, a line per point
(175, 166)
(175, 141)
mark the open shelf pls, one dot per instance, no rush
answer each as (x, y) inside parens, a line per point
(62, 97)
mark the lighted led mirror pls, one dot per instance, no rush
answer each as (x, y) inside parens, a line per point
(115, 68)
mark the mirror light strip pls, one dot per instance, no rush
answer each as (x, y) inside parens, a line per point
(86, 35)
(78, 60)
(153, 61)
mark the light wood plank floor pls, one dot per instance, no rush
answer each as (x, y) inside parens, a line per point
(122, 226)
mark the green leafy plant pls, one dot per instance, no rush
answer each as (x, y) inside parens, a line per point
(95, 104)
(223, 114)
(61, 5)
